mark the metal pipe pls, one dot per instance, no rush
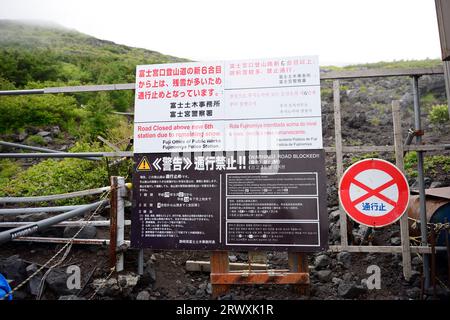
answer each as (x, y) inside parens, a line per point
(433, 261)
(383, 249)
(141, 262)
(97, 223)
(71, 89)
(420, 177)
(333, 75)
(21, 92)
(120, 221)
(54, 196)
(24, 146)
(17, 211)
(64, 240)
(67, 155)
(129, 154)
(41, 225)
(408, 140)
(447, 82)
(124, 113)
(447, 245)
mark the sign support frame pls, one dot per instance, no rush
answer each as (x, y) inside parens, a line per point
(222, 279)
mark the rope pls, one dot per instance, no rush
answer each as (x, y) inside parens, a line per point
(104, 282)
(67, 245)
(438, 227)
(42, 283)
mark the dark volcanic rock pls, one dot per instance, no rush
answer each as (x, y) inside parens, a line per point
(345, 258)
(357, 120)
(57, 282)
(350, 290)
(322, 261)
(88, 232)
(14, 268)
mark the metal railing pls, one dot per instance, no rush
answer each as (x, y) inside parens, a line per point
(23, 231)
(339, 150)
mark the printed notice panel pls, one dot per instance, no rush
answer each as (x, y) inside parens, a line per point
(231, 200)
(260, 104)
(228, 156)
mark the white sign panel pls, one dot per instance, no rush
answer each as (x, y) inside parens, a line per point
(260, 104)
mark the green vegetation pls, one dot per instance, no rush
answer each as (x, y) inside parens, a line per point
(36, 56)
(375, 121)
(41, 110)
(33, 57)
(364, 156)
(382, 108)
(428, 99)
(58, 176)
(35, 140)
(8, 169)
(432, 164)
(438, 114)
(396, 64)
(326, 93)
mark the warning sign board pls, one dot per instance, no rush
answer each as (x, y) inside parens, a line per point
(229, 201)
(374, 192)
(228, 155)
(143, 165)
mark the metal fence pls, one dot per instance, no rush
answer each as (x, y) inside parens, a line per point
(116, 239)
(23, 231)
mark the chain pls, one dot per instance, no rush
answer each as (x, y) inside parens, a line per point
(67, 245)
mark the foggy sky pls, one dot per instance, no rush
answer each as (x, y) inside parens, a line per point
(346, 31)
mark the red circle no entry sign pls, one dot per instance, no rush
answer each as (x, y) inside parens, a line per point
(374, 192)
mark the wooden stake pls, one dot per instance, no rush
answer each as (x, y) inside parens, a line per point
(219, 264)
(339, 160)
(404, 226)
(298, 263)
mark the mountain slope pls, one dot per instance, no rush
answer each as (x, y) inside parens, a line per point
(42, 52)
(36, 55)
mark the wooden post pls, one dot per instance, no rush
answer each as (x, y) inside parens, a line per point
(339, 161)
(404, 226)
(219, 264)
(447, 82)
(298, 263)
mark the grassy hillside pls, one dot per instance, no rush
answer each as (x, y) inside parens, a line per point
(33, 56)
(43, 53)
(36, 56)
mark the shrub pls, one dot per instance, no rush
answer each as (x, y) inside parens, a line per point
(58, 176)
(375, 121)
(438, 114)
(8, 169)
(432, 164)
(364, 156)
(26, 111)
(35, 140)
